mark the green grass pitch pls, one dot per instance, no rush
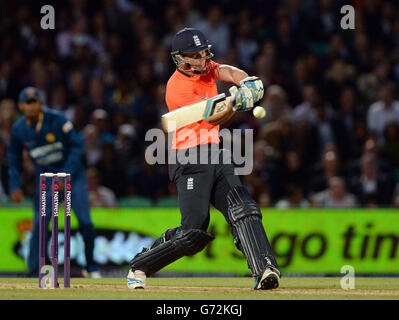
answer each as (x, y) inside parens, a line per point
(201, 289)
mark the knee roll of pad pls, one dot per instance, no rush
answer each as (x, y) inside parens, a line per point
(241, 205)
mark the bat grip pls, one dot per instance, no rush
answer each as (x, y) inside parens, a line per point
(232, 99)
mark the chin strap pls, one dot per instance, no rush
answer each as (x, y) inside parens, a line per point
(195, 72)
(181, 63)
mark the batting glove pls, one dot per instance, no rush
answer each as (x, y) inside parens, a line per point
(255, 85)
(244, 100)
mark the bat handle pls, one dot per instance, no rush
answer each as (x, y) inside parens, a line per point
(232, 99)
(233, 90)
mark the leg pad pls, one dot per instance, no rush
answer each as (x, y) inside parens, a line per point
(185, 243)
(246, 220)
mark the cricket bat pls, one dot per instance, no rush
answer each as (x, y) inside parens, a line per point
(184, 116)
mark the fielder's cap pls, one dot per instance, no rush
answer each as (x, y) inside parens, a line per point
(29, 94)
(189, 40)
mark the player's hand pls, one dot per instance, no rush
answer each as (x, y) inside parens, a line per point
(221, 117)
(255, 85)
(17, 196)
(244, 100)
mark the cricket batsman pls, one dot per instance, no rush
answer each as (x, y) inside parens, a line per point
(200, 185)
(54, 146)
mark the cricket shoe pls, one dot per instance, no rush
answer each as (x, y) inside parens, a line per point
(136, 279)
(269, 280)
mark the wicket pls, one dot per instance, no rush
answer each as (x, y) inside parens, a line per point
(54, 234)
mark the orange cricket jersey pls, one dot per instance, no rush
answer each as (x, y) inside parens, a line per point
(183, 90)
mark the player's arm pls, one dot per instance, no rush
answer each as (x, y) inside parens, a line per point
(241, 79)
(233, 75)
(14, 156)
(230, 74)
(73, 143)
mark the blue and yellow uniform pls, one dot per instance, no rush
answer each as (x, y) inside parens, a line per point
(53, 146)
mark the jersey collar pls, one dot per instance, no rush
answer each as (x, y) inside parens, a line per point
(39, 122)
(183, 73)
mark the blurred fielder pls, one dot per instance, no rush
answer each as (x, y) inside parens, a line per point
(200, 185)
(53, 146)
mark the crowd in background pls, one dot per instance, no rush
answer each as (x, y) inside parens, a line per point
(331, 134)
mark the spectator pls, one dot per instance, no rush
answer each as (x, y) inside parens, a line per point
(3, 171)
(78, 115)
(64, 39)
(294, 199)
(161, 65)
(122, 98)
(372, 183)
(390, 148)
(326, 126)
(297, 82)
(371, 148)
(265, 67)
(275, 102)
(92, 152)
(58, 98)
(305, 139)
(7, 118)
(126, 144)
(395, 200)
(265, 170)
(216, 30)
(335, 196)
(330, 167)
(337, 49)
(293, 173)
(324, 22)
(369, 84)
(349, 116)
(246, 46)
(360, 53)
(384, 111)
(101, 122)
(263, 199)
(99, 196)
(77, 88)
(100, 28)
(7, 84)
(105, 72)
(337, 78)
(189, 12)
(147, 181)
(77, 35)
(96, 96)
(304, 111)
(111, 175)
(288, 44)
